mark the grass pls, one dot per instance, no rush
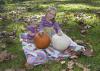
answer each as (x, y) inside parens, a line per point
(71, 6)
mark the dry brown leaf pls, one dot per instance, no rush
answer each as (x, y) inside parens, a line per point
(82, 66)
(13, 56)
(28, 66)
(79, 65)
(88, 52)
(10, 70)
(86, 69)
(5, 55)
(73, 62)
(63, 62)
(70, 64)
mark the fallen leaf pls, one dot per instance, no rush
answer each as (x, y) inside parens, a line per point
(63, 62)
(88, 52)
(70, 64)
(63, 70)
(10, 70)
(5, 55)
(79, 65)
(86, 69)
(28, 66)
(13, 56)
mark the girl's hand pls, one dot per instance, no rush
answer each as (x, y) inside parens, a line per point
(59, 33)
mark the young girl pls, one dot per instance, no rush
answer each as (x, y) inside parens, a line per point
(33, 55)
(50, 26)
(48, 23)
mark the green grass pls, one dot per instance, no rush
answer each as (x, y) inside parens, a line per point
(71, 6)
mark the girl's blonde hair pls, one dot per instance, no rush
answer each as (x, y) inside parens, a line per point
(50, 9)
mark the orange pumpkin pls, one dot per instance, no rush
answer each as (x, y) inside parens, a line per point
(42, 40)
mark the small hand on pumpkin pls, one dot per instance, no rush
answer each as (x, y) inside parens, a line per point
(41, 33)
(59, 33)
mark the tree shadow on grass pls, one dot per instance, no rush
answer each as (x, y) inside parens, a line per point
(95, 3)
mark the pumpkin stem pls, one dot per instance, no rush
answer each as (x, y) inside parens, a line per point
(40, 34)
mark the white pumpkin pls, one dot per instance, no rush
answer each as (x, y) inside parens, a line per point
(60, 42)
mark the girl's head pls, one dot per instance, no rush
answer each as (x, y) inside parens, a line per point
(51, 13)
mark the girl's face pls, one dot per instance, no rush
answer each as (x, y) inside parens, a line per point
(50, 15)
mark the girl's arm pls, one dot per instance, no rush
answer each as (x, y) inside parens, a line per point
(41, 26)
(57, 28)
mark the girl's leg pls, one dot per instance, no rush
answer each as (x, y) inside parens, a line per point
(74, 45)
(84, 50)
(78, 48)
